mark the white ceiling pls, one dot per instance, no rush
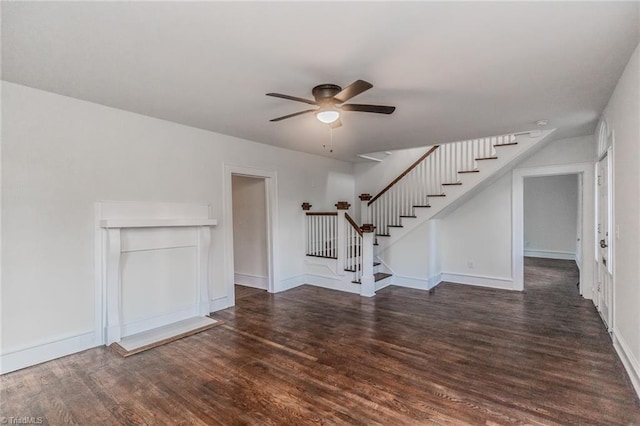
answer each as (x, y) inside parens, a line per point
(453, 70)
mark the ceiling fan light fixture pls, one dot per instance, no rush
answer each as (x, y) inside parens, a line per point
(328, 116)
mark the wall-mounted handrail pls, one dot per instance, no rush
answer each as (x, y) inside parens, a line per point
(403, 174)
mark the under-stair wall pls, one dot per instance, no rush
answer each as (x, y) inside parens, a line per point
(471, 242)
(408, 229)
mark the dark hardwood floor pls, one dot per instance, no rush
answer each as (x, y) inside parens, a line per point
(462, 355)
(244, 291)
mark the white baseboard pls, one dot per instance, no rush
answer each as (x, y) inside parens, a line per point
(249, 280)
(290, 283)
(417, 283)
(219, 303)
(159, 321)
(333, 283)
(478, 280)
(628, 360)
(550, 254)
(26, 357)
(379, 285)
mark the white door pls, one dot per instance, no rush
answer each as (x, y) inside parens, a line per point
(579, 226)
(605, 280)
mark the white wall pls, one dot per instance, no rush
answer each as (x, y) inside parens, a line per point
(550, 216)
(623, 117)
(60, 155)
(479, 231)
(372, 176)
(249, 231)
(476, 237)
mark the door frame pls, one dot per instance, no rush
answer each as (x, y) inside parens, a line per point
(585, 174)
(271, 192)
(610, 269)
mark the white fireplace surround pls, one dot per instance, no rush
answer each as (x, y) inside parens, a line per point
(121, 220)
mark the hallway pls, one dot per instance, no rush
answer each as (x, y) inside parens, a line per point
(462, 355)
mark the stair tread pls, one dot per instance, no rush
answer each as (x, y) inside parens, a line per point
(353, 270)
(378, 276)
(409, 216)
(422, 207)
(395, 226)
(507, 144)
(322, 256)
(437, 195)
(383, 235)
(486, 158)
(469, 171)
(452, 183)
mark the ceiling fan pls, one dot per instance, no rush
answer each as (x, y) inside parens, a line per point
(331, 99)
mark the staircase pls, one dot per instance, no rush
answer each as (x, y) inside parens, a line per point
(443, 178)
(336, 250)
(345, 256)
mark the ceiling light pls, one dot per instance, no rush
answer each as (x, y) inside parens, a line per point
(328, 116)
(542, 122)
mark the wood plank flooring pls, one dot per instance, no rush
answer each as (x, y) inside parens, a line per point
(462, 355)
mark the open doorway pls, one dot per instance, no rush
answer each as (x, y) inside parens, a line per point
(250, 253)
(582, 248)
(265, 183)
(552, 229)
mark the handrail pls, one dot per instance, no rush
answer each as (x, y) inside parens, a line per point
(322, 213)
(403, 174)
(353, 223)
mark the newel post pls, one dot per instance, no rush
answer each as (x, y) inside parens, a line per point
(367, 282)
(307, 239)
(364, 208)
(342, 207)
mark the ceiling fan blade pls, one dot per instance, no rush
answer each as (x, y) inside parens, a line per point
(354, 89)
(292, 98)
(378, 109)
(293, 115)
(336, 124)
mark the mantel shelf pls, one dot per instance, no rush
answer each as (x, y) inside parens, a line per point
(155, 223)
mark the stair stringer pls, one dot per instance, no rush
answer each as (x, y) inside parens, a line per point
(472, 183)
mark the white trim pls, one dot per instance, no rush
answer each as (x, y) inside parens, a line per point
(219, 303)
(385, 283)
(292, 282)
(411, 282)
(332, 283)
(158, 321)
(26, 357)
(550, 254)
(588, 221)
(629, 361)
(417, 283)
(155, 223)
(479, 280)
(250, 280)
(271, 190)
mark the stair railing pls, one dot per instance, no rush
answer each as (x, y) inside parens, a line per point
(353, 248)
(440, 166)
(322, 234)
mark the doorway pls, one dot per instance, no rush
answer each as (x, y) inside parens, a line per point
(551, 230)
(256, 194)
(250, 256)
(584, 214)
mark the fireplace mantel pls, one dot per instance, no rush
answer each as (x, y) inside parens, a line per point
(155, 223)
(118, 218)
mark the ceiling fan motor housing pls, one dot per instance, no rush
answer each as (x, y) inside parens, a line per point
(324, 92)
